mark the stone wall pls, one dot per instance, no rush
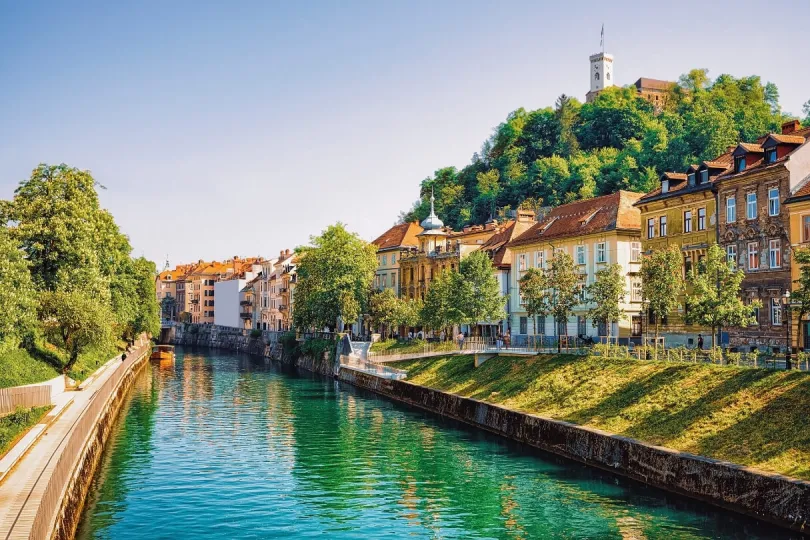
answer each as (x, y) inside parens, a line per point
(769, 497)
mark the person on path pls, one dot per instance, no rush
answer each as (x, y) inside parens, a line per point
(700, 342)
(461, 341)
(507, 340)
(499, 341)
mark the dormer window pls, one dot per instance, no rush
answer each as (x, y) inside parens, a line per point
(664, 186)
(691, 179)
(704, 176)
(770, 155)
(739, 164)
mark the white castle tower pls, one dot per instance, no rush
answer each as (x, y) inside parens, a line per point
(601, 71)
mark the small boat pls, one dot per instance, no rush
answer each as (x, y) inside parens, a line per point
(162, 353)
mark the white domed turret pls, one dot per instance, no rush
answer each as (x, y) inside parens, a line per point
(432, 222)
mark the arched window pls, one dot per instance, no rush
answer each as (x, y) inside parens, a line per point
(596, 76)
(607, 75)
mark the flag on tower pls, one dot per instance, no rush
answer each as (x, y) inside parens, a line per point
(602, 38)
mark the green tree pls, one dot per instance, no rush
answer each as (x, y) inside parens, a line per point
(800, 296)
(715, 301)
(661, 283)
(17, 295)
(383, 309)
(564, 295)
(534, 288)
(75, 321)
(409, 313)
(806, 111)
(476, 292)
(334, 276)
(607, 295)
(440, 308)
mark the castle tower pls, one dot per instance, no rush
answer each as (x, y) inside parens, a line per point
(601, 74)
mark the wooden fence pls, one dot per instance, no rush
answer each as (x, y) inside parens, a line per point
(32, 395)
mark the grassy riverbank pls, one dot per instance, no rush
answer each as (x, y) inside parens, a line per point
(15, 424)
(754, 417)
(20, 366)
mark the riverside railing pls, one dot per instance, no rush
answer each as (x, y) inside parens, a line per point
(73, 444)
(366, 366)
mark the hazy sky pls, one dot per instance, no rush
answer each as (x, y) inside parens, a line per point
(242, 128)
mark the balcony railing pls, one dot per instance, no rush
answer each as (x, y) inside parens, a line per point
(246, 314)
(282, 290)
(282, 308)
(246, 303)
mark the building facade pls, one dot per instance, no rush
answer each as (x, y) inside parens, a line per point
(595, 232)
(391, 245)
(754, 227)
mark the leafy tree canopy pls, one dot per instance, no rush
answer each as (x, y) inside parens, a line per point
(576, 151)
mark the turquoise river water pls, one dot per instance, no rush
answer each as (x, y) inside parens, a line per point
(227, 446)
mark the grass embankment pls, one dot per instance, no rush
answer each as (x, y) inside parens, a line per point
(15, 424)
(392, 346)
(754, 417)
(20, 366)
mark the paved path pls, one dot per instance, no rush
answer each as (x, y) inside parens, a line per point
(22, 489)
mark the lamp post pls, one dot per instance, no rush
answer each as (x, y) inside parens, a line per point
(788, 349)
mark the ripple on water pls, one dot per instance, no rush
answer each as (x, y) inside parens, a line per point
(225, 446)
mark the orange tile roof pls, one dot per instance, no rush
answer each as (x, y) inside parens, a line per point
(401, 235)
(600, 214)
(653, 84)
(751, 147)
(786, 139)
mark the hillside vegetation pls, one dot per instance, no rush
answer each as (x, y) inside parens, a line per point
(573, 151)
(754, 417)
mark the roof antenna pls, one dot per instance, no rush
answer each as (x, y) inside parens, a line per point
(602, 39)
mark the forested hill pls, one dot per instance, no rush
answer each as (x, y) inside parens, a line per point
(572, 150)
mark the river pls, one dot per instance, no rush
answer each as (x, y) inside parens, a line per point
(222, 445)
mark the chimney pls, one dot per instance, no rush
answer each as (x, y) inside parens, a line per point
(790, 126)
(525, 216)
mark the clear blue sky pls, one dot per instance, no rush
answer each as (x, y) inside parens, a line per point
(242, 129)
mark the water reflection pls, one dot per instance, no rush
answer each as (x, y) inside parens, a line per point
(227, 446)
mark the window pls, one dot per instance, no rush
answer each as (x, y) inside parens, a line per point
(806, 228)
(523, 324)
(770, 155)
(751, 206)
(731, 256)
(776, 311)
(393, 259)
(635, 251)
(540, 259)
(754, 312)
(580, 254)
(522, 263)
(635, 290)
(775, 253)
(687, 221)
(731, 209)
(581, 325)
(691, 179)
(393, 280)
(541, 326)
(704, 176)
(687, 265)
(753, 256)
(651, 228)
(701, 219)
(773, 202)
(662, 226)
(601, 253)
(739, 164)
(664, 186)
(385, 260)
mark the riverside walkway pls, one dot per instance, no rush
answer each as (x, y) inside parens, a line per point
(34, 481)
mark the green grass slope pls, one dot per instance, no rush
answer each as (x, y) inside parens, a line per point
(754, 417)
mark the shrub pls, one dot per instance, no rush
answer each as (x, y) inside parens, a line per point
(316, 347)
(255, 333)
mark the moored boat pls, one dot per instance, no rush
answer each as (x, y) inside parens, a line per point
(162, 353)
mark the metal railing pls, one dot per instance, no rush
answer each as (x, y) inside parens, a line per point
(72, 446)
(381, 370)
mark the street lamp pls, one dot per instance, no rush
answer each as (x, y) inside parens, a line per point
(788, 350)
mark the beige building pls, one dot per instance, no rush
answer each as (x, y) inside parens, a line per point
(390, 247)
(595, 232)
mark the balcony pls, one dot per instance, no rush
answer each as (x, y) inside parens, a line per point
(246, 314)
(195, 300)
(282, 308)
(246, 303)
(282, 290)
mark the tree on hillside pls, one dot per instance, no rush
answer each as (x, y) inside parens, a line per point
(335, 274)
(75, 321)
(661, 283)
(534, 289)
(17, 295)
(806, 111)
(478, 293)
(564, 295)
(714, 300)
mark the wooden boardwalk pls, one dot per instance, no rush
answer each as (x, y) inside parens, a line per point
(23, 489)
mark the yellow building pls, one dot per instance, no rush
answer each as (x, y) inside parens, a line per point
(682, 212)
(595, 232)
(390, 247)
(798, 210)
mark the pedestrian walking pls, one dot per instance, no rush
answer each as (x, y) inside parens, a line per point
(499, 341)
(700, 342)
(507, 339)
(461, 341)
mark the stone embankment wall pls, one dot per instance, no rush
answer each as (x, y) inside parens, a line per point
(75, 493)
(769, 497)
(238, 340)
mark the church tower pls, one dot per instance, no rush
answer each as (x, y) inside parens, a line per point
(601, 74)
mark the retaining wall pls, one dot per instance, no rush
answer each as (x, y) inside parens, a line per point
(771, 497)
(30, 395)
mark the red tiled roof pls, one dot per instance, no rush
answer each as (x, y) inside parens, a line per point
(600, 214)
(751, 147)
(786, 139)
(653, 84)
(400, 235)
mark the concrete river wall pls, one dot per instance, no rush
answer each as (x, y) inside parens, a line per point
(771, 497)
